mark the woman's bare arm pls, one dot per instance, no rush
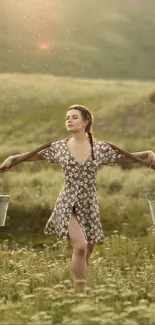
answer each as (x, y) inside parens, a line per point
(11, 160)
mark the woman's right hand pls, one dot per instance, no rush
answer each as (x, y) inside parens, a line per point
(6, 164)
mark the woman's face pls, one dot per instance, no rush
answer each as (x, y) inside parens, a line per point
(75, 122)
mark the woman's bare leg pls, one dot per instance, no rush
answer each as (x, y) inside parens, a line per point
(79, 244)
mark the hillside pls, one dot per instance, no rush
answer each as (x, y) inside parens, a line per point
(85, 39)
(33, 109)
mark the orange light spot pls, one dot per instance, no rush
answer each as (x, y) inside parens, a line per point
(43, 45)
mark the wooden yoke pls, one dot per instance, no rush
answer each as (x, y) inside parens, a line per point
(130, 155)
(28, 155)
(46, 145)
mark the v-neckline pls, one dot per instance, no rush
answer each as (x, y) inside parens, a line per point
(73, 156)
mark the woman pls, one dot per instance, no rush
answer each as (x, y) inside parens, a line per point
(76, 212)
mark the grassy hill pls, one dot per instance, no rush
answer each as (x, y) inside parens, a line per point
(33, 109)
(84, 39)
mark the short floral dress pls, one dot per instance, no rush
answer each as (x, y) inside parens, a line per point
(79, 190)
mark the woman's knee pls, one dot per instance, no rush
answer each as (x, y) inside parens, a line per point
(80, 247)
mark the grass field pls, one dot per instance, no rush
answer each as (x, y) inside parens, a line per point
(36, 282)
(33, 108)
(36, 286)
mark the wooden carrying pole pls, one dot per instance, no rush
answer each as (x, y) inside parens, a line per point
(27, 155)
(130, 155)
(46, 145)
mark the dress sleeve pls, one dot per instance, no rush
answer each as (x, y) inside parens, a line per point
(108, 155)
(49, 154)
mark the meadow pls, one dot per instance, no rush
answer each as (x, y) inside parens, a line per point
(35, 284)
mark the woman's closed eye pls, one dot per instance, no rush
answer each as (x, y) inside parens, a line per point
(73, 118)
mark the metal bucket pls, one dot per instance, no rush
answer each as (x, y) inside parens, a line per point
(151, 200)
(4, 202)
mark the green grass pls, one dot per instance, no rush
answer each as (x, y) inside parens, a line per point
(36, 286)
(33, 109)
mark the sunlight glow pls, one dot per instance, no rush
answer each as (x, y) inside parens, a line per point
(43, 45)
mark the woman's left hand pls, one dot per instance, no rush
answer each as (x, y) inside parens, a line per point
(151, 158)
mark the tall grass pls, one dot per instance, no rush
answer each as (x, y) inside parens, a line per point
(36, 286)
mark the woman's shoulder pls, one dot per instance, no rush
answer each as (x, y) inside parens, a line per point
(99, 141)
(56, 144)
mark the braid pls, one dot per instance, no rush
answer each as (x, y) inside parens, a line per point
(91, 142)
(87, 116)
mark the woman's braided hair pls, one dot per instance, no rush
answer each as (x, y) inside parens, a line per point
(86, 116)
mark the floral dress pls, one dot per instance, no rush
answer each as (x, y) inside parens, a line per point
(79, 190)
